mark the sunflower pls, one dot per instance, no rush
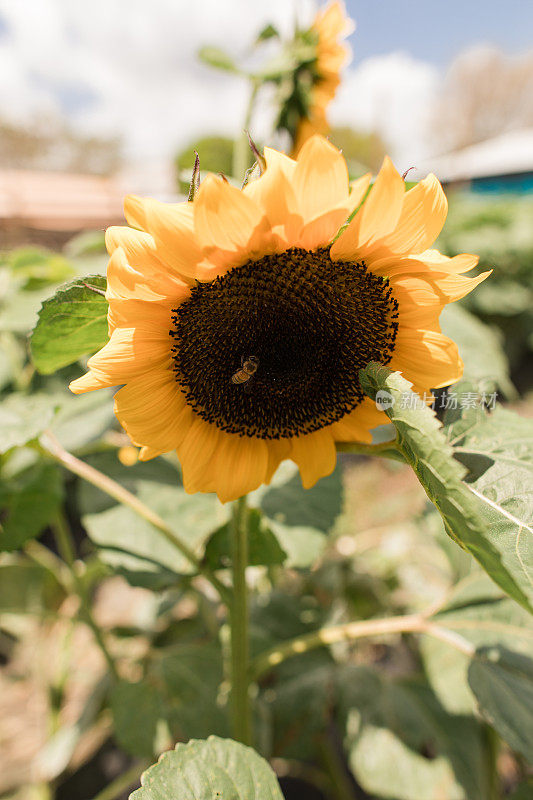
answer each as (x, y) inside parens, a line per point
(237, 328)
(330, 26)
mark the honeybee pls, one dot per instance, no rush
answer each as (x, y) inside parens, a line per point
(246, 372)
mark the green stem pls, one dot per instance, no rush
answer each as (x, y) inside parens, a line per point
(53, 447)
(335, 769)
(240, 697)
(66, 551)
(411, 623)
(241, 148)
(123, 782)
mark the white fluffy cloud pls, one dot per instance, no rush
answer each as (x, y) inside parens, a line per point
(393, 95)
(129, 67)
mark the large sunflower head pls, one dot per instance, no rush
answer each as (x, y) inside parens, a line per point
(330, 26)
(239, 322)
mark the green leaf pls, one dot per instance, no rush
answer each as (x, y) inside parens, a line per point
(523, 792)
(268, 32)
(71, 324)
(300, 518)
(318, 507)
(22, 419)
(263, 546)
(191, 674)
(36, 267)
(399, 739)
(28, 588)
(502, 682)
(215, 769)
(82, 419)
(480, 348)
(424, 446)
(138, 551)
(218, 58)
(481, 614)
(498, 451)
(28, 502)
(137, 716)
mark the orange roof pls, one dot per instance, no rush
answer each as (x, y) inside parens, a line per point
(59, 200)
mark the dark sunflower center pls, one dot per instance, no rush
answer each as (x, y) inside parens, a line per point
(273, 348)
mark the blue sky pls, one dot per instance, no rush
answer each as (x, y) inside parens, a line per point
(437, 30)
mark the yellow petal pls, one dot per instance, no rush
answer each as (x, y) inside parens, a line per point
(319, 231)
(427, 358)
(274, 194)
(149, 282)
(315, 456)
(423, 215)
(172, 226)
(153, 411)
(240, 466)
(129, 353)
(356, 426)
(378, 216)
(320, 178)
(225, 217)
(134, 212)
(278, 451)
(196, 454)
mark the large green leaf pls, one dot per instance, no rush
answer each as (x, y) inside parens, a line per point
(28, 502)
(191, 675)
(480, 348)
(498, 451)
(502, 682)
(215, 769)
(28, 588)
(71, 324)
(139, 551)
(263, 546)
(137, 716)
(467, 519)
(23, 418)
(479, 612)
(402, 744)
(300, 518)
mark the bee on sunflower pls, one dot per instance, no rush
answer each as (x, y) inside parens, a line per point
(270, 284)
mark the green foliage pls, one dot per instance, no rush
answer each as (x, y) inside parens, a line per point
(29, 501)
(140, 552)
(502, 682)
(479, 523)
(216, 768)
(480, 347)
(363, 151)
(499, 231)
(71, 324)
(137, 713)
(218, 58)
(35, 268)
(399, 737)
(23, 418)
(263, 547)
(478, 612)
(28, 588)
